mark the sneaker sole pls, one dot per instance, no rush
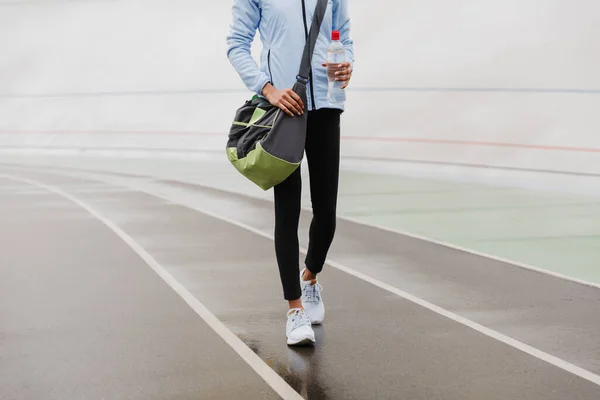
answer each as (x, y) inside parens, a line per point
(301, 342)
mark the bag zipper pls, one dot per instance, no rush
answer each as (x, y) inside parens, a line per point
(310, 77)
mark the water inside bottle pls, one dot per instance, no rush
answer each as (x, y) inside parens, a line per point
(335, 57)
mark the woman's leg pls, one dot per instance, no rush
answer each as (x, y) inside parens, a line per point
(287, 196)
(323, 156)
(287, 214)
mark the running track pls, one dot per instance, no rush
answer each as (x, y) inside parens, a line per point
(129, 287)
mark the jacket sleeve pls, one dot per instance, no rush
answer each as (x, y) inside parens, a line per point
(245, 21)
(341, 22)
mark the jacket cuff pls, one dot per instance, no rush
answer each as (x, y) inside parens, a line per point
(264, 79)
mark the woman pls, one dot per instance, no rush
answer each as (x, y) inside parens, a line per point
(283, 26)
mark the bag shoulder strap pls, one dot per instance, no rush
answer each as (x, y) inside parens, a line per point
(311, 40)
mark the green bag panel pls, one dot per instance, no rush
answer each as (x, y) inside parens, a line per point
(261, 167)
(252, 123)
(265, 145)
(257, 115)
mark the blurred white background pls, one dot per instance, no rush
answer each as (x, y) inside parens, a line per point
(441, 88)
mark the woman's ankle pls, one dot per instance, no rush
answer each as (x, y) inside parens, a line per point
(295, 303)
(308, 276)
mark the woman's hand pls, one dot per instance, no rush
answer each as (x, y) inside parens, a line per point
(343, 72)
(286, 99)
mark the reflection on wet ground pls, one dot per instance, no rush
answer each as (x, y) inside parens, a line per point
(301, 369)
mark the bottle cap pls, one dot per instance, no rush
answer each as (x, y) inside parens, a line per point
(335, 35)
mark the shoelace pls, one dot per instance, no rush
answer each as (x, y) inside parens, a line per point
(312, 293)
(300, 318)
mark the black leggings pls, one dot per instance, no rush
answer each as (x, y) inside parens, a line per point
(323, 157)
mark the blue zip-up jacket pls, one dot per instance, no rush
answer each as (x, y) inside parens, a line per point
(283, 26)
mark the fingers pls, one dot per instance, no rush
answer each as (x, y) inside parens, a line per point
(290, 99)
(285, 109)
(346, 82)
(291, 106)
(297, 98)
(344, 73)
(344, 76)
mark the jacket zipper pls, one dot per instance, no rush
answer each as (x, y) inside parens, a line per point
(310, 77)
(269, 66)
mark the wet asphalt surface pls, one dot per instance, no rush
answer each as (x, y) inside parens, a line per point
(83, 317)
(86, 318)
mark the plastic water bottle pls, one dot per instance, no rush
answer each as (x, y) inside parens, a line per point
(336, 54)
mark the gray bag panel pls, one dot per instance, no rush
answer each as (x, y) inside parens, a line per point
(288, 135)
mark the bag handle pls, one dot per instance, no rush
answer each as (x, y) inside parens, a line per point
(311, 40)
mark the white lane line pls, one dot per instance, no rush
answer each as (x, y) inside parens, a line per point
(270, 377)
(557, 362)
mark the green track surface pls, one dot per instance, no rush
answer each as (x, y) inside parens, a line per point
(557, 232)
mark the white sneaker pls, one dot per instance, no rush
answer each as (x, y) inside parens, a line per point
(298, 328)
(312, 300)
